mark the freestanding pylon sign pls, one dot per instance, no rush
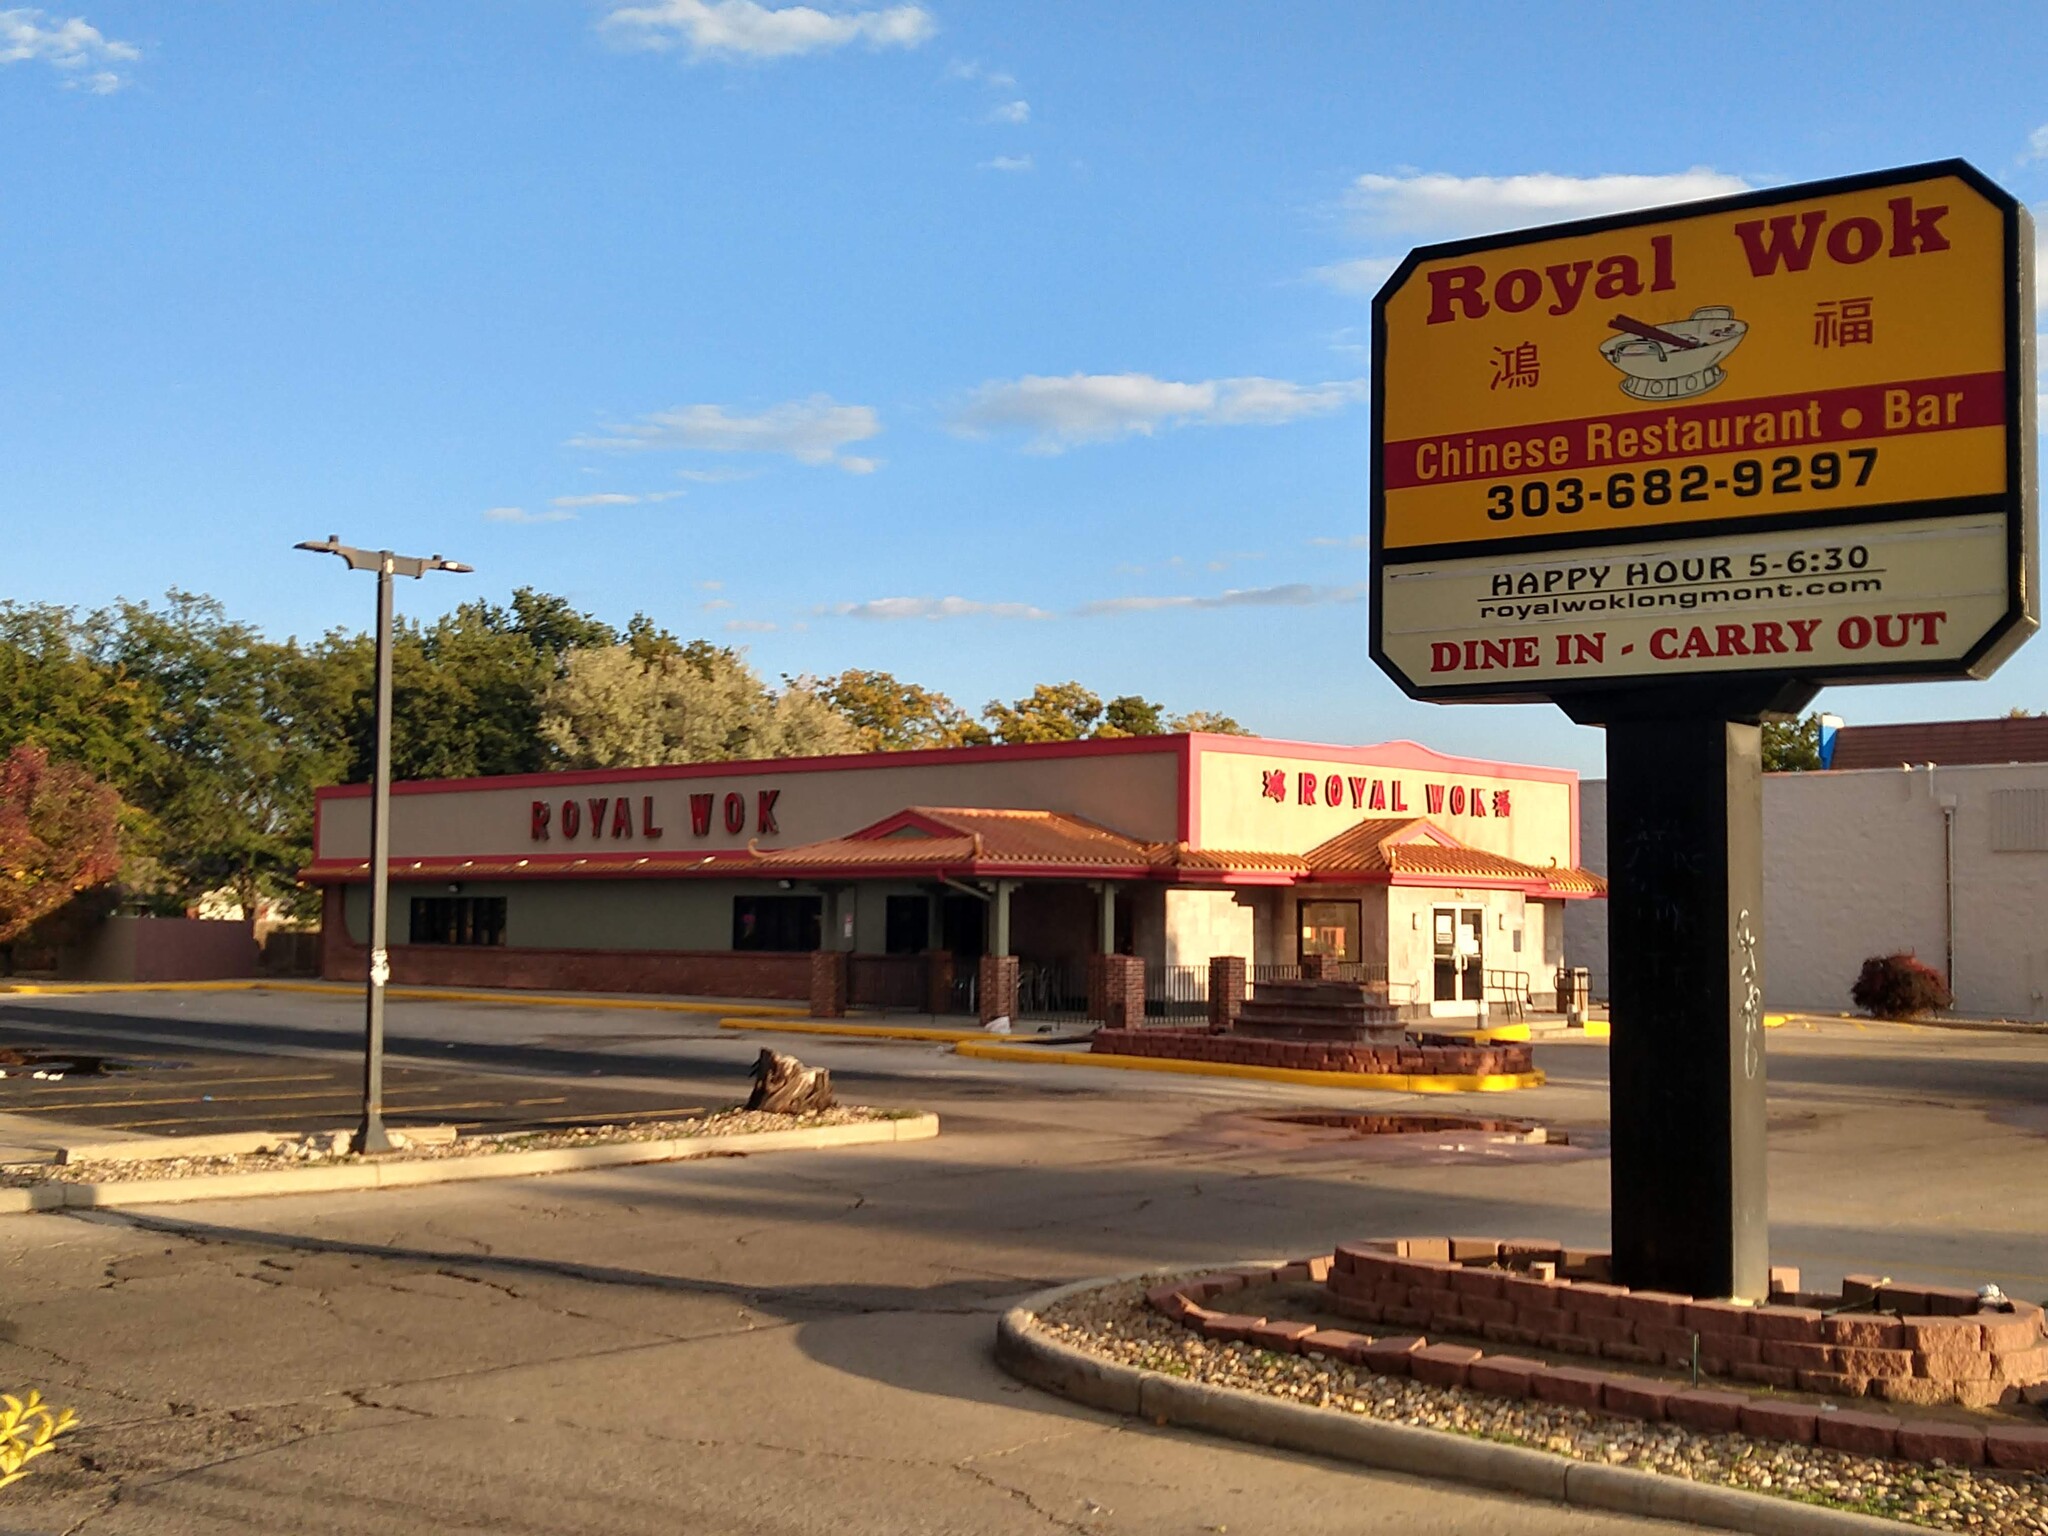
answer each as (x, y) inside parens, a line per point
(1676, 471)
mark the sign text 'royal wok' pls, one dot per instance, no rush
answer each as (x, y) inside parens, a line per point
(1788, 433)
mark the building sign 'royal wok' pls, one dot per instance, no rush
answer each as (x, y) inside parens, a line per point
(1789, 433)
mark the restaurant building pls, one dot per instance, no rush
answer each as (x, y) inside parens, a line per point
(981, 879)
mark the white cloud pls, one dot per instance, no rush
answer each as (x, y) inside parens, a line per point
(936, 608)
(971, 69)
(714, 476)
(1060, 412)
(1294, 594)
(2037, 145)
(711, 586)
(521, 515)
(749, 30)
(716, 604)
(810, 431)
(1011, 112)
(751, 626)
(615, 499)
(1355, 541)
(1433, 205)
(73, 46)
(1006, 163)
(1361, 275)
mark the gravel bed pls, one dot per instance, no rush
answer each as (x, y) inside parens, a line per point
(330, 1148)
(1116, 1323)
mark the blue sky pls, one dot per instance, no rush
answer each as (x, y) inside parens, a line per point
(984, 343)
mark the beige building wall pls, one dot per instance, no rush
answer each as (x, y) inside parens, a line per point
(1235, 813)
(1136, 793)
(1200, 925)
(1855, 866)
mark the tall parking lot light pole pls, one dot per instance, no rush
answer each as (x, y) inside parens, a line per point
(370, 1135)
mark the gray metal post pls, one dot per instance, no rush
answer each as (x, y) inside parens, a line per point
(370, 1135)
(1105, 938)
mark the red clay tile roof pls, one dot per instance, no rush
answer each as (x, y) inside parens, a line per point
(953, 837)
(2006, 740)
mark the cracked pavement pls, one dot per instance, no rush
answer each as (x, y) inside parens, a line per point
(800, 1342)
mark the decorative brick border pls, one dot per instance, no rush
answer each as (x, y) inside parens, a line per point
(1216, 1306)
(1431, 1059)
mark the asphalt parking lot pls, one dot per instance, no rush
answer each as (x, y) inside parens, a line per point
(799, 1344)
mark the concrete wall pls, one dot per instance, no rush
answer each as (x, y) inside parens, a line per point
(1854, 867)
(1585, 922)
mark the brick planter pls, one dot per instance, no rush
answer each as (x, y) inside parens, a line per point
(1409, 1284)
(1407, 1059)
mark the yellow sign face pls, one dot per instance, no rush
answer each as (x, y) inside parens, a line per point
(1843, 353)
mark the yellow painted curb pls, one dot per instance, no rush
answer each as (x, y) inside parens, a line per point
(405, 994)
(1598, 1029)
(1392, 1082)
(1776, 1020)
(781, 1026)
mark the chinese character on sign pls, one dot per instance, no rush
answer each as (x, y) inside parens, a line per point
(1275, 787)
(1843, 323)
(1515, 367)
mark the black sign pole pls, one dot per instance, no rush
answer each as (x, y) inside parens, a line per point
(1686, 1058)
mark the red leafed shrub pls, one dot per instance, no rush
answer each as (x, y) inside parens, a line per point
(59, 835)
(1899, 987)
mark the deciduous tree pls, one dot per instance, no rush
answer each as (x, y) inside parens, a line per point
(895, 716)
(59, 835)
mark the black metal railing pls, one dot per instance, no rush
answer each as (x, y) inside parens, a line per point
(1176, 992)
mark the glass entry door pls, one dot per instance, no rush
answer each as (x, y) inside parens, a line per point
(1460, 969)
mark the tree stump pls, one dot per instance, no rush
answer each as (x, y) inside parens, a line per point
(785, 1086)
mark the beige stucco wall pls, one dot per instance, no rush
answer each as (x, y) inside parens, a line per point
(1233, 812)
(1136, 793)
(1854, 867)
(1200, 925)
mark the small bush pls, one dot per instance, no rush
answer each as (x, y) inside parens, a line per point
(1899, 987)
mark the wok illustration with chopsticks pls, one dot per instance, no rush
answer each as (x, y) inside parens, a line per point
(1677, 358)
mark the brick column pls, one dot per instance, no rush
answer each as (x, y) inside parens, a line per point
(828, 984)
(998, 987)
(1123, 991)
(938, 982)
(1098, 988)
(1226, 991)
(1315, 967)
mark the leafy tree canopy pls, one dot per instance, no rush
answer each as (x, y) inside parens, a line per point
(59, 835)
(1792, 748)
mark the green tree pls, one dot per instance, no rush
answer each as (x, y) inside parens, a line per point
(247, 728)
(55, 693)
(1130, 715)
(1206, 720)
(1050, 712)
(703, 704)
(59, 835)
(894, 716)
(1790, 747)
